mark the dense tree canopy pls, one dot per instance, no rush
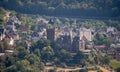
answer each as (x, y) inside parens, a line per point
(101, 39)
(47, 53)
(2, 12)
(77, 8)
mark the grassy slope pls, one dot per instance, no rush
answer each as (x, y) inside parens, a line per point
(114, 64)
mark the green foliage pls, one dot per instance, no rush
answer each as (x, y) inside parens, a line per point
(1, 47)
(114, 64)
(37, 52)
(2, 13)
(4, 45)
(83, 70)
(47, 54)
(43, 50)
(21, 61)
(118, 70)
(77, 8)
(105, 60)
(53, 70)
(6, 63)
(63, 57)
(21, 52)
(41, 43)
(79, 58)
(101, 39)
(97, 58)
(33, 59)
(23, 66)
(113, 23)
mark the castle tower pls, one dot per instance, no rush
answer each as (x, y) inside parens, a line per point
(52, 34)
(85, 37)
(85, 32)
(76, 44)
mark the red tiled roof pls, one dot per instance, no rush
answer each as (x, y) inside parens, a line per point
(100, 47)
(116, 33)
(7, 36)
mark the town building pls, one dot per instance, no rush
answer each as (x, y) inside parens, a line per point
(9, 39)
(85, 38)
(114, 36)
(110, 29)
(86, 33)
(64, 42)
(117, 55)
(35, 36)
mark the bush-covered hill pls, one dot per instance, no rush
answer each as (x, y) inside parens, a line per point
(70, 8)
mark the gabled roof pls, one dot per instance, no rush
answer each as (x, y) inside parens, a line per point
(83, 38)
(7, 36)
(51, 21)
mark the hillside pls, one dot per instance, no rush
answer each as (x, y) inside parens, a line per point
(66, 8)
